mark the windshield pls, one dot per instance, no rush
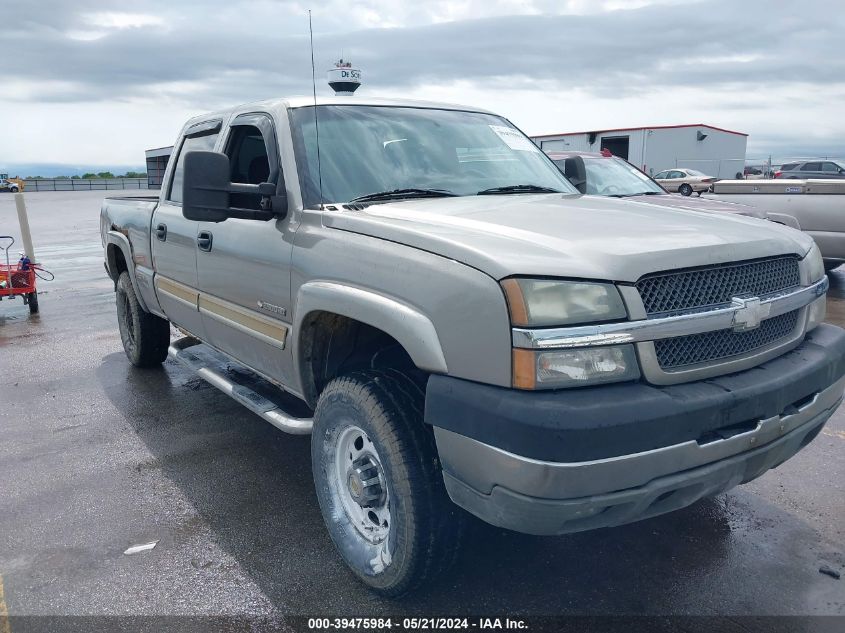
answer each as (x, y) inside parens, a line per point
(614, 177)
(371, 149)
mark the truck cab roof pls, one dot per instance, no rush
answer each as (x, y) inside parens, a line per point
(301, 101)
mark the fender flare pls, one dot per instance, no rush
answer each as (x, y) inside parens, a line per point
(120, 241)
(410, 327)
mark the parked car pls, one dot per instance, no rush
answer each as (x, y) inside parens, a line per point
(684, 181)
(812, 206)
(457, 326)
(9, 185)
(812, 169)
(607, 175)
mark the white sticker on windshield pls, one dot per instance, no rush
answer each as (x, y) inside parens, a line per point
(514, 139)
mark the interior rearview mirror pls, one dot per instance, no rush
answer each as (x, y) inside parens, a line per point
(206, 191)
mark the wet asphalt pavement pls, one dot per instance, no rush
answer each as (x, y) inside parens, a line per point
(96, 456)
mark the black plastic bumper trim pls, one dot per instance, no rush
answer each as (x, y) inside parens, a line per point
(611, 420)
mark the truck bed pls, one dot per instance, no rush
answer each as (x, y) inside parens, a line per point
(148, 198)
(816, 207)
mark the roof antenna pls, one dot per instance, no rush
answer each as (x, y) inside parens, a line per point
(316, 123)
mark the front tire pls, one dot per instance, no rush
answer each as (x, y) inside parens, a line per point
(685, 189)
(379, 483)
(145, 336)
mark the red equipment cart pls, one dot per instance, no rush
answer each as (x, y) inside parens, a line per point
(19, 279)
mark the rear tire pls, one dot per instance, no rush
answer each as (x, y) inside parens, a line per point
(685, 189)
(145, 336)
(32, 300)
(403, 529)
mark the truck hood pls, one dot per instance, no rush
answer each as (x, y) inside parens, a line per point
(566, 235)
(676, 201)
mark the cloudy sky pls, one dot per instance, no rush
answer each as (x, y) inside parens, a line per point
(93, 82)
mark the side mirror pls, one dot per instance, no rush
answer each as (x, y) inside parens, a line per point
(206, 188)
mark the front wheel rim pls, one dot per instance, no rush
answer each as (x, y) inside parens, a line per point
(358, 483)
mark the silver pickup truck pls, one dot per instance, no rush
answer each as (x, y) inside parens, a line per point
(816, 207)
(457, 327)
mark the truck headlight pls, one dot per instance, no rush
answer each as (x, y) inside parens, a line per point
(545, 302)
(814, 263)
(553, 369)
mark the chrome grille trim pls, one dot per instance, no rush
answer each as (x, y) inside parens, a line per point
(654, 329)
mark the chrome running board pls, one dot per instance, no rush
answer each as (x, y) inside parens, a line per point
(239, 383)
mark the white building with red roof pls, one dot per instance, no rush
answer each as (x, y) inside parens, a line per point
(712, 150)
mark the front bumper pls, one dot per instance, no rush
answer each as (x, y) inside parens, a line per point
(721, 432)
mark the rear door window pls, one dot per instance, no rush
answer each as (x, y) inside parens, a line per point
(811, 167)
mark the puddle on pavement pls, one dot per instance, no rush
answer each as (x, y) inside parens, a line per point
(4, 318)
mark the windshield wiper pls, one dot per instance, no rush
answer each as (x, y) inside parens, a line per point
(518, 189)
(398, 194)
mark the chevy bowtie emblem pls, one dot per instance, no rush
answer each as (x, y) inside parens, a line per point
(749, 313)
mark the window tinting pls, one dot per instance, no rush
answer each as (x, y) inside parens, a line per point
(191, 143)
(811, 167)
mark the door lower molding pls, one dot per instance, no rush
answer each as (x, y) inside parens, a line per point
(177, 291)
(256, 325)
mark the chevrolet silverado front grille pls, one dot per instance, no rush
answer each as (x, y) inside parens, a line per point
(702, 289)
(714, 286)
(674, 353)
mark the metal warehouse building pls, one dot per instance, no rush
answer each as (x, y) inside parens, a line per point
(156, 164)
(712, 150)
